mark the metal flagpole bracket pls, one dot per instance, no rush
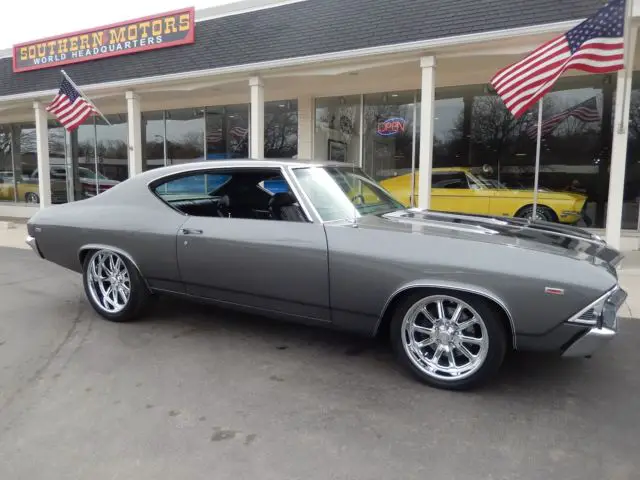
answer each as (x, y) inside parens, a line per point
(83, 94)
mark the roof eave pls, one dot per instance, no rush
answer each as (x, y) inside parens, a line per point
(423, 46)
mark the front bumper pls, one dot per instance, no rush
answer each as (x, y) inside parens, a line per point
(603, 316)
(590, 342)
(570, 216)
(31, 241)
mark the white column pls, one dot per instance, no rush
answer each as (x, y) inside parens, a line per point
(256, 131)
(619, 148)
(135, 133)
(42, 149)
(427, 109)
(306, 125)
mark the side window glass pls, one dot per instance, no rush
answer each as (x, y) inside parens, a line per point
(244, 193)
(191, 186)
(275, 184)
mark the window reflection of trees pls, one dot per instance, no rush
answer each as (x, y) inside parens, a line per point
(281, 129)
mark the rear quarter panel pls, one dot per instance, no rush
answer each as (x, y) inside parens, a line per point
(367, 266)
(128, 219)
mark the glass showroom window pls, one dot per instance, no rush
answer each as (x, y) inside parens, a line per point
(337, 130)
(112, 149)
(631, 199)
(574, 159)
(389, 130)
(185, 135)
(388, 134)
(25, 162)
(7, 170)
(227, 131)
(281, 129)
(153, 136)
(62, 190)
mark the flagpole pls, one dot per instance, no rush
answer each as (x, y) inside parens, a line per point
(86, 98)
(628, 15)
(537, 167)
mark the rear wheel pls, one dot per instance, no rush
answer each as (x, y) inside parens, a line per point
(542, 213)
(449, 340)
(113, 286)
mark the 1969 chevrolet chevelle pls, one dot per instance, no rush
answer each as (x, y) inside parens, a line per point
(453, 292)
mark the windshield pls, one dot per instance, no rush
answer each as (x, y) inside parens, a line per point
(339, 193)
(485, 182)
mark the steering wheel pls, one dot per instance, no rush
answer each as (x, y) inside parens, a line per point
(360, 196)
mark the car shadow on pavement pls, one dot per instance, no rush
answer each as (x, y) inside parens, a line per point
(523, 374)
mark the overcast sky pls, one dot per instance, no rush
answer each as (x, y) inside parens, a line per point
(26, 20)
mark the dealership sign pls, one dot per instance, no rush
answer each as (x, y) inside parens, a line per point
(159, 31)
(391, 127)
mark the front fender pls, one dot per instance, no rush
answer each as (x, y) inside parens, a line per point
(449, 285)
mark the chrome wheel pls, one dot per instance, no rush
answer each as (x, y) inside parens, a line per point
(109, 281)
(444, 337)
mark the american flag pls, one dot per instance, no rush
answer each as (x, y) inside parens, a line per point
(586, 111)
(595, 46)
(70, 107)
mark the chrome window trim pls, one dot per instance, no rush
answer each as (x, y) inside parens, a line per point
(204, 168)
(301, 195)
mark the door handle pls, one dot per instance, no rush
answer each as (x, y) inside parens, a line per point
(191, 231)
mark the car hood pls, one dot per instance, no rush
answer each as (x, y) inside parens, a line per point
(516, 232)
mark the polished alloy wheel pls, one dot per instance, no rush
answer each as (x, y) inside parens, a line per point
(32, 198)
(109, 281)
(445, 337)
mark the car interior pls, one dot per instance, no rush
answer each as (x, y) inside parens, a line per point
(242, 195)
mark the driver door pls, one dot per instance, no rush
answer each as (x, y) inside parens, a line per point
(264, 264)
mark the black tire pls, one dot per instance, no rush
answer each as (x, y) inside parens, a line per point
(31, 197)
(542, 211)
(483, 372)
(139, 295)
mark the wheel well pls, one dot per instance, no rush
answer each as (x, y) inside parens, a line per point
(385, 322)
(530, 205)
(83, 254)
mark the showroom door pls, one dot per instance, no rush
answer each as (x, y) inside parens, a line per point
(269, 265)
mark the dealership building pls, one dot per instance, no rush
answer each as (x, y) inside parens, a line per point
(394, 86)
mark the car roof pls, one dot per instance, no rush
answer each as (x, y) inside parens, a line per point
(160, 172)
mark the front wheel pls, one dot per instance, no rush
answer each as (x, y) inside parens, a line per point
(448, 340)
(113, 286)
(542, 213)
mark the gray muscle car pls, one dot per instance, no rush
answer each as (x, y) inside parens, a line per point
(322, 243)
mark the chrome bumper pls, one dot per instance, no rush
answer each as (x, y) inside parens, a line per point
(31, 241)
(593, 340)
(605, 324)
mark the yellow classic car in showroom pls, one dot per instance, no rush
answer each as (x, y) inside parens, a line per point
(457, 189)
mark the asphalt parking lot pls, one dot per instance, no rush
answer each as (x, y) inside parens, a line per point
(193, 392)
